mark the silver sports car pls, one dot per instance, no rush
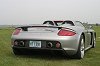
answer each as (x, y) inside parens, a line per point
(71, 37)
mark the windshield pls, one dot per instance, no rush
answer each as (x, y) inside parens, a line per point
(58, 23)
(64, 23)
(48, 23)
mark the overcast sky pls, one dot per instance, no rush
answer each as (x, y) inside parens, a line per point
(37, 11)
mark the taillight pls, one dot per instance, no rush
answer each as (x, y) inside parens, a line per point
(17, 31)
(64, 32)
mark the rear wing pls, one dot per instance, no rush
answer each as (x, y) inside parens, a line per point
(25, 28)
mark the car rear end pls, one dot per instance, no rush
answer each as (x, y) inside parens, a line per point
(45, 38)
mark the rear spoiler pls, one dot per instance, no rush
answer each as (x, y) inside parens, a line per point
(25, 28)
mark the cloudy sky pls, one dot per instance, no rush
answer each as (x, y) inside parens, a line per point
(37, 11)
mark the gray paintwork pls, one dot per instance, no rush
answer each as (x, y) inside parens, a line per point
(69, 43)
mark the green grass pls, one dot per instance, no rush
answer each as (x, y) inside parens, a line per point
(7, 58)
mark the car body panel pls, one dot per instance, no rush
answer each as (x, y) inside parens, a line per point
(50, 33)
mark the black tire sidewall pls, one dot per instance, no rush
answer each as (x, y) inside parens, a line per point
(78, 54)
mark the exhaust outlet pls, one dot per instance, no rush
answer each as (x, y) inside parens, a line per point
(49, 45)
(21, 43)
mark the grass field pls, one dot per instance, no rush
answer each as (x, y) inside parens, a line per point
(7, 58)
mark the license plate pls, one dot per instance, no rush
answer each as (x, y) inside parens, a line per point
(36, 44)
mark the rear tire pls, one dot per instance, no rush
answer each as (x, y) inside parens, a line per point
(81, 49)
(93, 42)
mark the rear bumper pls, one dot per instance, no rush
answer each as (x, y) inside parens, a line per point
(69, 43)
